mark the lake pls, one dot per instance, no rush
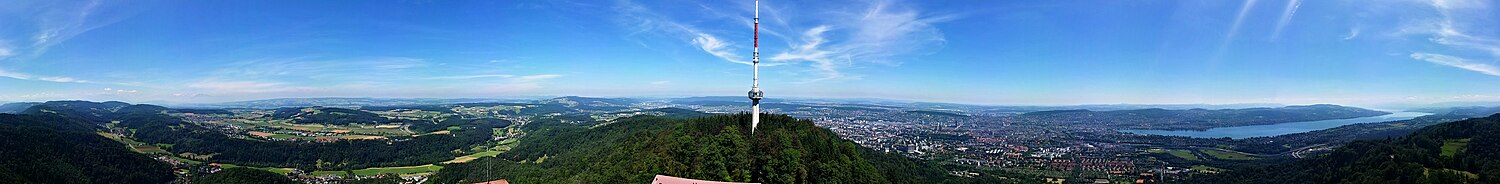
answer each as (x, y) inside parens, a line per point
(1280, 128)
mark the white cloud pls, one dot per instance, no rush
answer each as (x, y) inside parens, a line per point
(1458, 63)
(61, 79)
(6, 51)
(718, 48)
(1353, 32)
(660, 82)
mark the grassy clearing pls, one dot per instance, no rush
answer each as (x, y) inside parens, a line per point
(189, 161)
(1225, 155)
(471, 157)
(1453, 147)
(1207, 169)
(429, 168)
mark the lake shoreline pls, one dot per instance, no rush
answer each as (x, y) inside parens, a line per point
(1240, 132)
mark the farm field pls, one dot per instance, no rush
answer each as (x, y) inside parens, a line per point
(1225, 155)
(406, 170)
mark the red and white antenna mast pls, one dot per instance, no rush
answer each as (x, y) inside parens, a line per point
(755, 93)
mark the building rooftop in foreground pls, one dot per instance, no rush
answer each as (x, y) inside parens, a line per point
(494, 182)
(664, 179)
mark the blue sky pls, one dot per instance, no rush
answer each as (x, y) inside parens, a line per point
(981, 52)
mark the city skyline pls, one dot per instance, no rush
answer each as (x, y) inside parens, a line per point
(974, 52)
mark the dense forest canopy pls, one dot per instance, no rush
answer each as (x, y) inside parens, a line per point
(782, 150)
(51, 149)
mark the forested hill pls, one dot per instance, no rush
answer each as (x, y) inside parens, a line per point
(1465, 151)
(1201, 119)
(782, 150)
(47, 148)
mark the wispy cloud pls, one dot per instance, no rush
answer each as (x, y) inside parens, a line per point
(1286, 17)
(1353, 32)
(877, 33)
(57, 22)
(643, 20)
(473, 76)
(242, 87)
(1456, 27)
(24, 76)
(320, 69)
(6, 50)
(718, 48)
(119, 90)
(1234, 28)
(1457, 62)
(536, 78)
(837, 39)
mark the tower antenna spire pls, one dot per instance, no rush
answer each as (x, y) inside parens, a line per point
(755, 93)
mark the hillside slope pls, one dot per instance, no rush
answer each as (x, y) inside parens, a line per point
(1466, 151)
(52, 149)
(782, 150)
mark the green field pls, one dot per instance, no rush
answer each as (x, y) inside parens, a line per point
(1225, 155)
(471, 157)
(1184, 154)
(429, 168)
(282, 171)
(1453, 147)
(1207, 169)
(189, 161)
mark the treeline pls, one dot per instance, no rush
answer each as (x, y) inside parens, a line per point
(242, 175)
(722, 148)
(1465, 151)
(46, 148)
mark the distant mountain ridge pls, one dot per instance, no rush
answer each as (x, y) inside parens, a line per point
(16, 107)
(340, 102)
(1201, 119)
